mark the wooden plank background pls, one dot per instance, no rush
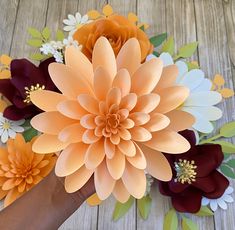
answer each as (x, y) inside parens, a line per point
(211, 22)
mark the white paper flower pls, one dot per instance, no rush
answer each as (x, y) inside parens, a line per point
(149, 183)
(201, 100)
(75, 22)
(71, 42)
(9, 128)
(220, 202)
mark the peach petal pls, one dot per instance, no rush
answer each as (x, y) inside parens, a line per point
(89, 103)
(168, 77)
(89, 137)
(157, 122)
(72, 109)
(123, 113)
(120, 192)
(129, 57)
(104, 183)
(139, 118)
(171, 98)
(50, 122)
(168, 141)
(140, 134)
(72, 133)
(75, 59)
(77, 180)
(180, 120)
(127, 148)
(116, 165)
(102, 83)
(122, 81)
(104, 56)
(129, 101)
(8, 184)
(115, 139)
(146, 77)
(134, 180)
(52, 99)
(98, 131)
(102, 108)
(67, 81)
(157, 164)
(147, 103)
(46, 143)
(88, 121)
(11, 196)
(124, 133)
(138, 161)
(128, 123)
(109, 148)
(70, 159)
(113, 97)
(4, 155)
(95, 155)
(3, 194)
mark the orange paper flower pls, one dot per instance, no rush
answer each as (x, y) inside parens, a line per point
(117, 29)
(21, 168)
(113, 119)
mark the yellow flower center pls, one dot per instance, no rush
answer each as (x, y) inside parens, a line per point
(185, 171)
(31, 89)
(6, 125)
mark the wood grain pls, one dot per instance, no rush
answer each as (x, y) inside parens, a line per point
(211, 22)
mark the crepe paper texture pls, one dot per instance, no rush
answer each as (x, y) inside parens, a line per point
(107, 100)
(21, 168)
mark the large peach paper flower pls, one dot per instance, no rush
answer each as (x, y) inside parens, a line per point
(113, 119)
(117, 29)
(21, 168)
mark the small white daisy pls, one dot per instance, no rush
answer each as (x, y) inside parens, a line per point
(58, 57)
(75, 22)
(220, 202)
(9, 128)
(201, 100)
(71, 42)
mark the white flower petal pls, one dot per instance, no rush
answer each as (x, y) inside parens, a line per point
(78, 17)
(205, 85)
(166, 58)
(203, 99)
(11, 133)
(183, 68)
(17, 129)
(205, 201)
(192, 79)
(213, 205)
(222, 204)
(229, 190)
(20, 122)
(4, 136)
(84, 19)
(150, 56)
(69, 28)
(1, 131)
(72, 18)
(228, 198)
(69, 22)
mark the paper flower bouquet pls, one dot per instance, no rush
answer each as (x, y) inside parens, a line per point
(110, 102)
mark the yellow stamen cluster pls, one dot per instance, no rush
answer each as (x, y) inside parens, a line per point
(31, 89)
(185, 171)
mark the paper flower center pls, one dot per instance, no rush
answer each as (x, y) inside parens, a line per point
(30, 89)
(6, 125)
(185, 171)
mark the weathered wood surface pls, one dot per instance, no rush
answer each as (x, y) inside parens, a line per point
(211, 22)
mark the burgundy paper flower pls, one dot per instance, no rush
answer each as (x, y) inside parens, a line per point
(25, 77)
(194, 175)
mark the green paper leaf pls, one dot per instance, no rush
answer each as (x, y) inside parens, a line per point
(121, 209)
(37, 56)
(231, 163)
(170, 220)
(169, 46)
(227, 147)
(228, 130)
(46, 33)
(158, 40)
(204, 211)
(29, 134)
(35, 42)
(192, 66)
(226, 156)
(227, 171)
(188, 224)
(34, 32)
(187, 50)
(142, 27)
(59, 35)
(144, 206)
(156, 53)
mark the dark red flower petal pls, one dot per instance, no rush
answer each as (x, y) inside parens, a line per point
(164, 188)
(177, 187)
(7, 89)
(190, 136)
(221, 183)
(187, 201)
(206, 184)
